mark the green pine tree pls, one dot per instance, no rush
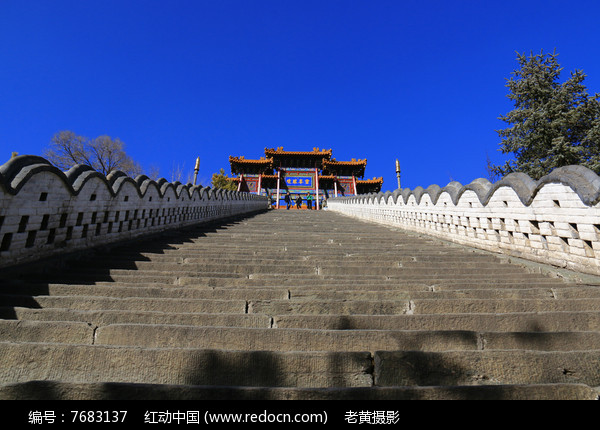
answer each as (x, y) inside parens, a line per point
(220, 180)
(553, 124)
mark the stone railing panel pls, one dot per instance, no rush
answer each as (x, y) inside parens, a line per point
(554, 220)
(45, 212)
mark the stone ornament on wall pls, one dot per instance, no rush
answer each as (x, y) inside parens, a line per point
(45, 212)
(554, 220)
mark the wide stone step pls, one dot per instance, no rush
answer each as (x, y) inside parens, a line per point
(509, 322)
(194, 278)
(516, 322)
(97, 318)
(24, 362)
(149, 269)
(306, 306)
(156, 336)
(141, 290)
(348, 294)
(410, 368)
(215, 257)
(127, 304)
(373, 283)
(210, 264)
(324, 292)
(419, 292)
(53, 390)
(277, 339)
(410, 276)
(46, 331)
(300, 286)
(272, 256)
(420, 306)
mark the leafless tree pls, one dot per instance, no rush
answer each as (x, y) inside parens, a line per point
(103, 153)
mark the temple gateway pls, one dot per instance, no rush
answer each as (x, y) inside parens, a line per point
(302, 173)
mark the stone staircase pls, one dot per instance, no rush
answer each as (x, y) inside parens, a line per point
(297, 305)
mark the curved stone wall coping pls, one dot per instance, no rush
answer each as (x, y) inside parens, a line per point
(582, 180)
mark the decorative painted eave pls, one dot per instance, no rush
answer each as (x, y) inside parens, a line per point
(373, 181)
(241, 164)
(349, 168)
(280, 152)
(353, 162)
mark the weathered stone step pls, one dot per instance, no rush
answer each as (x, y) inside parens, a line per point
(324, 283)
(341, 252)
(385, 291)
(191, 278)
(419, 306)
(377, 283)
(157, 291)
(302, 269)
(521, 321)
(127, 303)
(349, 292)
(515, 322)
(401, 294)
(275, 339)
(410, 368)
(165, 278)
(305, 306)
(104, 317)
(335, 283)
(46, 331)
(39, 390)
(236, 255)
(482, 277)
(24, 362)
(178, 263)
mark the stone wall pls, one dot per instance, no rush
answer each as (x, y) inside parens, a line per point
(45, 212)
(554, 220)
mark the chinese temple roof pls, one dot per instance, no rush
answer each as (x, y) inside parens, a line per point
(312, 158)
(316, 152)
(366, 186)
(345, 168)
(370, 181)
(317, 158)
(244, 166)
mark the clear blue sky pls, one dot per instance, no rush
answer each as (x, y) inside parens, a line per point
(422, 81)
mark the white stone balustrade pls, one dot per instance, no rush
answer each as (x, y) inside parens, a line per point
(45, 212)
(554, 220)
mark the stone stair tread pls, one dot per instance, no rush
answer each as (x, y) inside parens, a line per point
(522, 321)
(510, 321)
(127, 303)
(279, 339)
(158, 291)
(37, 390)
(486, 367)
(420, 306)
(114, 316)
(99, 363)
